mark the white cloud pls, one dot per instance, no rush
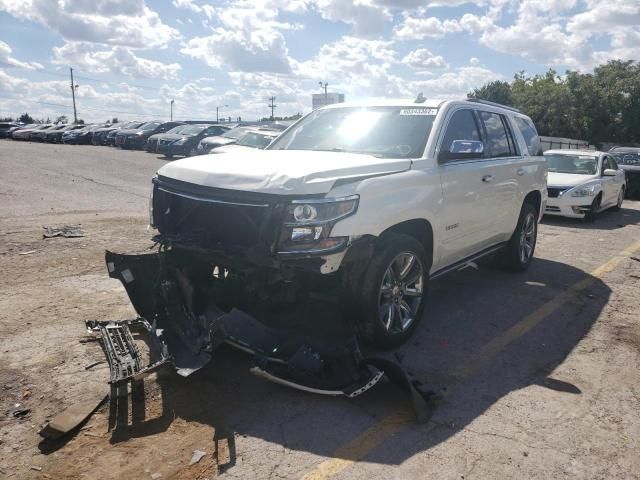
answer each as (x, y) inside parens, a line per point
(456, 83)
(421, 28)
(114, 22)
(367, 19)
(119, 60)
(249, 39)
(7, 60)
(422, 60)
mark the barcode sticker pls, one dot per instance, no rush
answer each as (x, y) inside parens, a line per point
(418, 111)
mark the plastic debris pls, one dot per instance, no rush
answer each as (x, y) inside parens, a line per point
(197, 456)
(67, 231)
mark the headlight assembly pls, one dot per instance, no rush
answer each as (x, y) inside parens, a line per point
(308, 224)
(584, 191)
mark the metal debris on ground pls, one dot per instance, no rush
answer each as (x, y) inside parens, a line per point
(196, 457)
(67, 231)
(35, 467)
(27, 253)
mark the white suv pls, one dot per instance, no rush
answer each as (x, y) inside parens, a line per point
(355, 204)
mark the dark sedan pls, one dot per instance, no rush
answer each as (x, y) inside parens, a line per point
(152, 141)
(5, 127)
(185, 142)
(55, 136)
(99, 136)
(81, 136)
(227, 138)
(136, 138)
(41, 135)
(110, 138)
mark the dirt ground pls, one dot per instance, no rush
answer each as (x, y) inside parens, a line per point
(542, 368)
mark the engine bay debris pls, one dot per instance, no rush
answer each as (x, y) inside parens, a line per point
(188, 306)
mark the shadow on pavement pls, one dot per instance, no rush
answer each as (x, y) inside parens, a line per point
(466, 311)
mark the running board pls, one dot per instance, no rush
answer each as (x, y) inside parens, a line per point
(465, 262)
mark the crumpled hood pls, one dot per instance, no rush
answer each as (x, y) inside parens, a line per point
(568, 179)
(283, 172)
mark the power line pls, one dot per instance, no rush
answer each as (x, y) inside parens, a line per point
(85, 108)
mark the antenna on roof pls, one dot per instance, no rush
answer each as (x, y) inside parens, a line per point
(420, 98)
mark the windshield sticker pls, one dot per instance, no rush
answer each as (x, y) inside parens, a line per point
(418, 111)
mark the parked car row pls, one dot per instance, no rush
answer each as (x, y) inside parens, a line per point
(167, 138)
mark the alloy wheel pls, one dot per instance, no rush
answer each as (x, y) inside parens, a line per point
(527, 238)
(401, 292)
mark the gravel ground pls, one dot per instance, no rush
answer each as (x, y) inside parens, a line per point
(542, 367)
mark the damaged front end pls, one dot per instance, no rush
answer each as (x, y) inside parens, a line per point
(217, 278)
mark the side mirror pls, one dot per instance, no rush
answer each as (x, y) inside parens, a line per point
(462, 150)
(609, 172)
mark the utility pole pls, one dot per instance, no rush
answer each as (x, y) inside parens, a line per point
(217, 115)
(172, 102)
(324, 85)
(272, 105)
(73, 96)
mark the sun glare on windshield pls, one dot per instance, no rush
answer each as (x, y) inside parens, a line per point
(358, 124)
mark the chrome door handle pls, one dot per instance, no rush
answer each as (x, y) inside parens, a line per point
(487, 178)
(520, 171)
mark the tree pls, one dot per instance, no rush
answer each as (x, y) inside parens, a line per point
(62, 119)
(114, 120)
(80, 122)
(26, 118)
(496, 91)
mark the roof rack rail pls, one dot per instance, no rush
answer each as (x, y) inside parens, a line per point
(494, 104)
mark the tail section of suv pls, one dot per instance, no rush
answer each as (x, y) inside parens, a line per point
(338, 227)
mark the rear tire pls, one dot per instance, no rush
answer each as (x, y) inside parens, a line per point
(517, 255)
(393, 291)
(618, 205)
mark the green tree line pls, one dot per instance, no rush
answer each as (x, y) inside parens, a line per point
(603, 106)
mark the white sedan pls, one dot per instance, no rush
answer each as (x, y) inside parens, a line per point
(582, 183)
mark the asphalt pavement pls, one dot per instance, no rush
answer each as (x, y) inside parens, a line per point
(541, 368)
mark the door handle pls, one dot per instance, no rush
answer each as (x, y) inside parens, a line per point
(487, 178)
(520, 171)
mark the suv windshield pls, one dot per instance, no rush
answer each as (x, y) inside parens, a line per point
(235, 133)
(388, 132)
(255, 140)
(150, 126)
(578, 164)
(193, 130)
(178, 129)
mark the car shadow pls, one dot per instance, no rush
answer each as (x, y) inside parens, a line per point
(606, 220)
(467, 315)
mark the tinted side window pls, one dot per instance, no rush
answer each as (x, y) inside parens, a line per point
(462, 126)
(497, 142)
(530, 135)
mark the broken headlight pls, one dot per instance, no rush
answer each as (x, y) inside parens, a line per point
(308, 224)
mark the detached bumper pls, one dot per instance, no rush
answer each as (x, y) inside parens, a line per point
(185, 313)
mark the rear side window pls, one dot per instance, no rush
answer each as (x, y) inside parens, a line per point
(462, 126)
(530, 135)
(498, 140)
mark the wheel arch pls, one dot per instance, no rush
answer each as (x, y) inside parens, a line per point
(534, 198)
(418, 228)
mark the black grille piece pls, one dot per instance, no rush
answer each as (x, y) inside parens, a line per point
(218, 218)
(554, 192)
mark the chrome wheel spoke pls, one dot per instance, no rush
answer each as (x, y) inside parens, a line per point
(412, 292)
(406, 268)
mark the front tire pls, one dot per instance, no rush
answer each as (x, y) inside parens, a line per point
(518, 253)
(394, 290)
(594, 210)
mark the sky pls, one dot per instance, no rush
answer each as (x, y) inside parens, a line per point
(132, 57)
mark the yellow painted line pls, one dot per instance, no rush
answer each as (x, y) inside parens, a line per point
(359, 447)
